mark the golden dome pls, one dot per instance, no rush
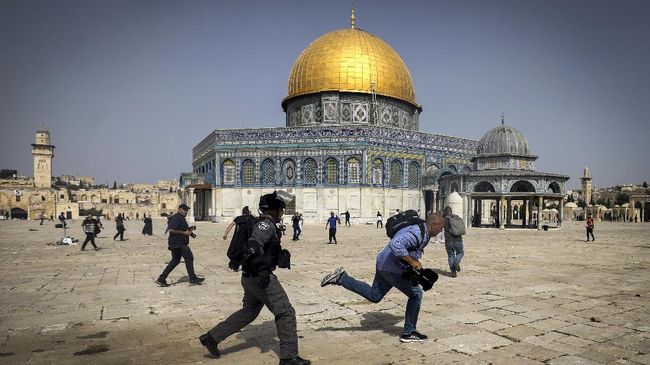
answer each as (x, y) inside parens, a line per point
(350, 60)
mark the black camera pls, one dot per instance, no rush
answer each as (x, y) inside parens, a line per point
(192, 229)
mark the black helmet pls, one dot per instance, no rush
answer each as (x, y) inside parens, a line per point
(271, 201)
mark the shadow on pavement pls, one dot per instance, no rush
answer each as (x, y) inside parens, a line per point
(374, 321)
(261, 335)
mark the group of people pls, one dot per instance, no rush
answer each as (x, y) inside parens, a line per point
(92, 226)
(264, 254)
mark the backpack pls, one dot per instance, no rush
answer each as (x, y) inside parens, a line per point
(243, 231)
(456, 225)
(401, 220)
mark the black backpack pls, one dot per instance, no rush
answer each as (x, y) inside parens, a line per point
(243, 231)
(401, 220)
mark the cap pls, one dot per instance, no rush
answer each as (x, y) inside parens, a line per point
(184, 207)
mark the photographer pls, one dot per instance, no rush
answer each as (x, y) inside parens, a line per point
(179, 240)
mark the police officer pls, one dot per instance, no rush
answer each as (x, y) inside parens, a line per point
(261, 286)
(178, 244)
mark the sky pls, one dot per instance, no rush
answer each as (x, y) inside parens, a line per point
(127, 88)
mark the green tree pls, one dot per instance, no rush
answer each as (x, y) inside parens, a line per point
(622, 198)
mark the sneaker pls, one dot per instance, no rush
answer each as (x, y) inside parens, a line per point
(295, 361)
(333, 277)
(453, 273)
(162, 282)
(413, 337)
(457, 266)
(197, 280)
(210, 344)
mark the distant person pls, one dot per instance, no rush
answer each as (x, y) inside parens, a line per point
(89, 225)
(245, 217)
(590, 227)
(347, 218)
(137, 216)
(148, 225)
(404, 249)
(51, 217)
(62, 220)
(42, 218)
(453, 243)
(380, 220)
(119, 225)
(178, 243)
(331, 223)
(98, 226)
(295, 224)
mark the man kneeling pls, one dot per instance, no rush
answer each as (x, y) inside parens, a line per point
(404, 249)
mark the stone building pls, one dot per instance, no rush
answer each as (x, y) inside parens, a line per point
(29, 198)
(351, 141)
(503, 189)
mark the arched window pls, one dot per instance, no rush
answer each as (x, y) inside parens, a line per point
(228, 172)
(354, 168)
(248, 172)
(289, 172)
(414, 175)
(268, 172)
(331, 171)
(395, 173)
(377, 172)
(310, 171)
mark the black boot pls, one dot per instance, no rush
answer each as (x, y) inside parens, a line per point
(210, 344)
(295, 361)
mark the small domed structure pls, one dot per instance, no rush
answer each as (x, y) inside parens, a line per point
(571, 205)
(503, 140)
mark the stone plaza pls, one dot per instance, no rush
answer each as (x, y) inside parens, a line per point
(523, 297)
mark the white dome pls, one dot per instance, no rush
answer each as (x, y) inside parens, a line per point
(570, 205)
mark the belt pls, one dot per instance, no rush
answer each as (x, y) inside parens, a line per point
(249, 274)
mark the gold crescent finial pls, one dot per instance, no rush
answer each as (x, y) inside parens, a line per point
(503, 117)
(352, 18)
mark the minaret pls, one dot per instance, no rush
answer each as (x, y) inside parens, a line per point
(586, 186)
(43, 153)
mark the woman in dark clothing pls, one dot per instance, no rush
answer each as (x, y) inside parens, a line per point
(148, 225)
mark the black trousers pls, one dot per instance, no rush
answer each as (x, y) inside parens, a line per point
(347, 221)
(296, 232)
(90, 237)
(332, 234)
(255, 298)
(380, 223)
(120, 233)
(590, 231)
(184, 252)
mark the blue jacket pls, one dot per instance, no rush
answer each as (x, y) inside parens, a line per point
(407, 242)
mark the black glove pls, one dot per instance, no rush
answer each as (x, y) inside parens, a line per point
(265, 279)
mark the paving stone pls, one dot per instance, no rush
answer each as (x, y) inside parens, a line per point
(491, 325)
(471, 317)
(593, 333)
(572, 360)
(517, 360)
(475, 342)
(518, 333)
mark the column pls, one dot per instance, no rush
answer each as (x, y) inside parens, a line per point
(434, 203)
(501, 205)
(560, 216)
(524, 208)
(540, 202)
(190, 203)
(509, 212)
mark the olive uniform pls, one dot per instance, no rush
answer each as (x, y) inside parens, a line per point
(262, 288)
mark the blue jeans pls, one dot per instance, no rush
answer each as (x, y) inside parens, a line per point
(381, 285)
(454, 253)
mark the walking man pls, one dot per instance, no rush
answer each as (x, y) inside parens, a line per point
(590, 227)
(119, 225)
(62, 220)
(380, 220)
(404, 249)
(331, 223)
(89, 225)
(453, 244)
(295, 224)
(262, 287)
(347, 218)
(178, 244)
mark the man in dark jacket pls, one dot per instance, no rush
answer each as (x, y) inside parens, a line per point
(179, 241)
(453, 245)
(262, 287)
(89, 226)
(119, 225)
